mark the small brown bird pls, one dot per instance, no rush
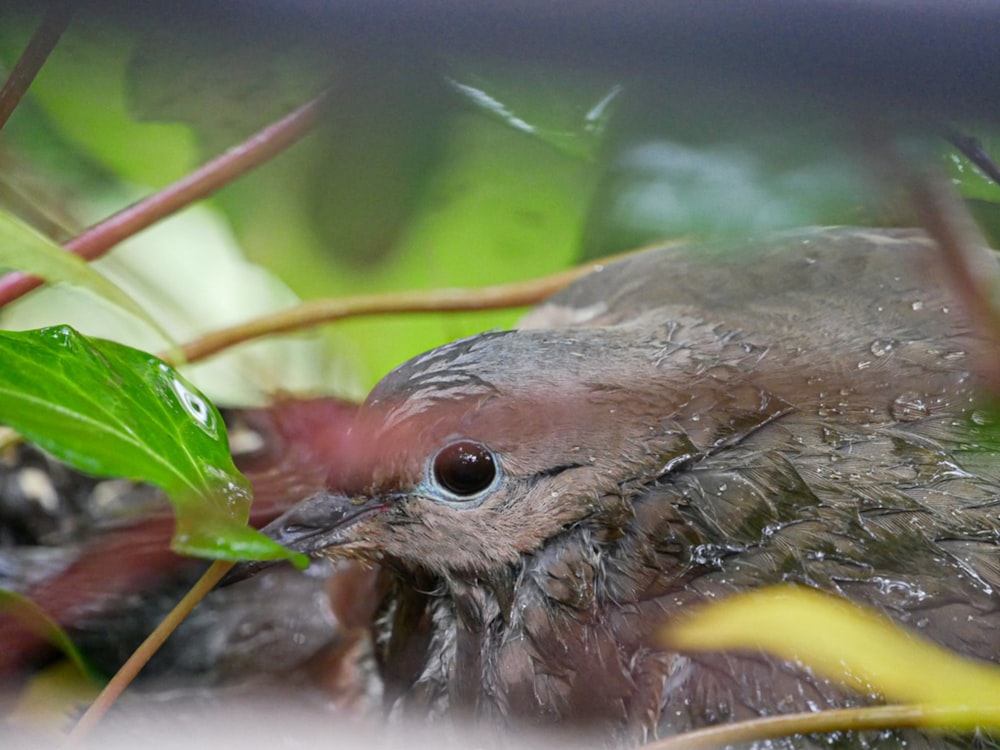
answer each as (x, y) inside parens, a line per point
(679, 426)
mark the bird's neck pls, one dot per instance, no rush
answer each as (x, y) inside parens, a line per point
(431, 638)
(528, 642)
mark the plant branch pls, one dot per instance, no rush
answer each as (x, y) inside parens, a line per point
(43, 41)
(972, 272)
(322, 311)
(774, 727)
(207, 179)
(139, 658)
(946, 219)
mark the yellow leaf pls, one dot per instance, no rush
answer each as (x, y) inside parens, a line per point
(48, 703)
(841, 640)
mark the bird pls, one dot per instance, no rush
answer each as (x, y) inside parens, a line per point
(678, 426)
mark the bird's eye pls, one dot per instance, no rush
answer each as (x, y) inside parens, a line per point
(465, 468)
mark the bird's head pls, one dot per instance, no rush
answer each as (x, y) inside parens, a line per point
(477, 452)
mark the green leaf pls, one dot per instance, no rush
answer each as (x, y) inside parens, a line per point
(662, 182)
(500, 206)
(156, 268)
(970, 181)
(111, 410)
(566, 109)
(861, 647)
(24, 249)
(81, 89)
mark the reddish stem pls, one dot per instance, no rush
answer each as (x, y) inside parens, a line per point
(43, 41)
(100, 238)
(972, 275)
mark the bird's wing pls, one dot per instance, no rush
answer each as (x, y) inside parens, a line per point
(881, 484)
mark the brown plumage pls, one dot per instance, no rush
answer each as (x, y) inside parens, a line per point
(679, 426)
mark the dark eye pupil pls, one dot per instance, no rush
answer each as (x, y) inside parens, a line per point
(465, 468)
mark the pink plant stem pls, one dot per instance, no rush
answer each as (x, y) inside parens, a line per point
(43, 41)
(100, 238)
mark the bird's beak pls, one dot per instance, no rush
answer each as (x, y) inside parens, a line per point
(320, 521)
(315, 524)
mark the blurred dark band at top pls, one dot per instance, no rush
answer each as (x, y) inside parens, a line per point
(929, 59)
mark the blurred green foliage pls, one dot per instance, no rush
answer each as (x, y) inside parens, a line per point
(431, 169)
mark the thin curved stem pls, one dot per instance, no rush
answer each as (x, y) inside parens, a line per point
(517, 294)
(43, 41)
(947, 220)
(141, 656)
(940, 210)
(787, 725)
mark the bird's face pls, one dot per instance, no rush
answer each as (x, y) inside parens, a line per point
(460, 503)
(478, 452)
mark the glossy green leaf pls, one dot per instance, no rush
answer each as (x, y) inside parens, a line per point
(843, 641)
(111, 410)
